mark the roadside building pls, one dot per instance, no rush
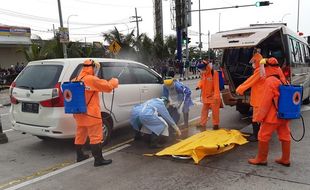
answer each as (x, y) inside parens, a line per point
(13, 38)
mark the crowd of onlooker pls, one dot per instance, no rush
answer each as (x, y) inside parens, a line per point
(8, 75)
(172, 67)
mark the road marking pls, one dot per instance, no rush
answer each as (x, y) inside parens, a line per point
(305, 108)
(62, 167)
(61, 170)
(8, 130)
(4, 114)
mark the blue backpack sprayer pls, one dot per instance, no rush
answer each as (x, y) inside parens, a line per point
(74, 96)
(289, 104)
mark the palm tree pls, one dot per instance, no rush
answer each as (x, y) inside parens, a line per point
(126, 42)
(145, 48)
(171, 43)
(34, 52)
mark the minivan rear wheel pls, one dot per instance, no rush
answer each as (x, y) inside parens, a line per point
(44, 138)
(306, 101)
(106, 131)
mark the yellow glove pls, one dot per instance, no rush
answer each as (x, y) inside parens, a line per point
(178, 132)
(262, 61)
(97, 65)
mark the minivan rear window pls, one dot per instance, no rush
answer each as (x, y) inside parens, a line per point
(39, 76)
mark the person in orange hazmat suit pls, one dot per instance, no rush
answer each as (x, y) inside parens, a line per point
(255, 82)
(267, 115)
(90, 123)
(210, 94)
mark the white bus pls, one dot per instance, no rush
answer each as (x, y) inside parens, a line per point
(291, 50)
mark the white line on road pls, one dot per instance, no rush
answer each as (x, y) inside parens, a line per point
(4, 114)
(8, 130)
(305, 108)
(63, 169)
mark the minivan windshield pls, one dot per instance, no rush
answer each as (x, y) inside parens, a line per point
(39, 76)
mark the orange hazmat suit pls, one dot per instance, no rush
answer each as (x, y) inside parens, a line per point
(210, 95)
(255, 82)
(90, 123)
(267, 115)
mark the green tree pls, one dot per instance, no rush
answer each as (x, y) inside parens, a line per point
(126, 42)
(145, 47)
(34, 52)
(171, 43)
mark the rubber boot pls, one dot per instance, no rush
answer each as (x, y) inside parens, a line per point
(201, 128)
(261, 158)
(216, 127)
(286, 151)
(96, 150)
(253, 137)
(185, 117)
(80, 156)
(137, 136)
(155, 141)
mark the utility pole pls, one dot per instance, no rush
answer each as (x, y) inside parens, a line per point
(137, 19)
(209, 53)
(298, 16)
(200, 44)
(54, 31)
(64, 47)
(137, 23)
(219, 22)
(186, 46)
(179, 26)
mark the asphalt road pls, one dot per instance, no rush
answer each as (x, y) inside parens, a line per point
(27, 162)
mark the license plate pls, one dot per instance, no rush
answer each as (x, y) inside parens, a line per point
(30, 107)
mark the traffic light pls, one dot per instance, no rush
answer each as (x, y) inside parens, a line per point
(262, 3)
(184, 37)
(188, 40)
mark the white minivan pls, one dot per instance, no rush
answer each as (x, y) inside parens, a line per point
(37, 103)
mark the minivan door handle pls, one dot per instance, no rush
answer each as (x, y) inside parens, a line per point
(144, 89)
(299, 74)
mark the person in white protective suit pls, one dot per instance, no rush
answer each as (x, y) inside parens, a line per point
(152, 117)
(179, 97)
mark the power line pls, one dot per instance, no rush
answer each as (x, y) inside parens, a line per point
(110, 5)
(45, 19)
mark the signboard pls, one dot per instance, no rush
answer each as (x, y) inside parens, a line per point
(63, 35)
(114, 47)
(14, 31)
(97, 45)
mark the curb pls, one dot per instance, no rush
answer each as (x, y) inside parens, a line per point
(190, 78)
(3, 105)
(4, 87)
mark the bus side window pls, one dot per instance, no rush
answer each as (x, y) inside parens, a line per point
(307, 57)
(299, 53)
(292, 51)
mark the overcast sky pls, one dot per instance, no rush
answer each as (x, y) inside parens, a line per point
(102, 15)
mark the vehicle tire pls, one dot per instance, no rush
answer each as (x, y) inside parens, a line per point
(306, 101)
(43, 138)
(106, 129)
